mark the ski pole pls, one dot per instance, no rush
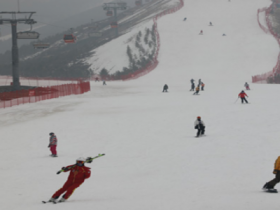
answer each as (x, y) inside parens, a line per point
(236, 100)
(88, 160)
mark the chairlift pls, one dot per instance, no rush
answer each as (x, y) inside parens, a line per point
(109, 13)
(69, 38)
(138, 2)
(96, 34)
(41, 45)
(114, 25)
(28, 35)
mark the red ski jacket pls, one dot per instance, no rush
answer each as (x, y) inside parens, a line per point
(78, 174)
(242, 95)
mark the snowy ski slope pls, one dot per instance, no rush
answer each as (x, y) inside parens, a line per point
(153, 161)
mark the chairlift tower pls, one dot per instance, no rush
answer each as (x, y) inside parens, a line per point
(15, 57)
(115, 6)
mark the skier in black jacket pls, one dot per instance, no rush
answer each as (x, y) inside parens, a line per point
(165, 88)
(200, 126)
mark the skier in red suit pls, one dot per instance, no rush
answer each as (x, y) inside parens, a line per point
(242, 95)
(78, 174)
(53, 144)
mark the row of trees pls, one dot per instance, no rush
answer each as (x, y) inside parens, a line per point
(142, 55)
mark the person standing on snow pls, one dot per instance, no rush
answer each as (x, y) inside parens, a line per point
(196, 90)
(242, 95)
(271, 184)
(247, 86)
(165, 88)
(210, 24)
(104, 82)
(53, 144)
(202, 86)
(200, 126)
(193, 85)
(201, 32)
(185, 19)
(78, 174)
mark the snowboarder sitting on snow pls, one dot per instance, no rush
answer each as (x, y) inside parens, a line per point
(200, 126)
(202, 86)
(224, 34)
(270, 185)
(165, 88)
(78, 174)
(242, 95)
(53, 144)
(196, 90)
(247, 86)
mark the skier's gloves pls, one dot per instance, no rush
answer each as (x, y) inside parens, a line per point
(89, 160)
(275, 171)
(63, 168)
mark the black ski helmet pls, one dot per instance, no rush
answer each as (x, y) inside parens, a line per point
(51, 133)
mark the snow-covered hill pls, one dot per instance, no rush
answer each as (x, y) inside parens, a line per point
(153, 161)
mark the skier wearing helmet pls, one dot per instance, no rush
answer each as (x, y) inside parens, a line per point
(200, 126)
(53, 144)
(78, 174)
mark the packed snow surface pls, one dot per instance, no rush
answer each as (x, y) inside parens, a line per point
(153, 161)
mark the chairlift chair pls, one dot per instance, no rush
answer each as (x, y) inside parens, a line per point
(69, 38)
(41, 45)
(28, 35)
(109, 13)
(97, 34)
(138, 2)
(114, 25)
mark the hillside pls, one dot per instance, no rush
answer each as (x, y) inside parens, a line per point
(153, 161)
(62, 60)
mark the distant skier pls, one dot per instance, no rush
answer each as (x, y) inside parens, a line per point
(224, 34)
(199, 82)
(247, 86)
(192, 87)
(104, 82)
(96, 79)
(78, 174)
(202, 86)
(165, 88)
(201, 32)
(269, 186)
(185, 19)
(196, 90)
(210, 24)
(200, 126)
(242, 95)
(53, 144)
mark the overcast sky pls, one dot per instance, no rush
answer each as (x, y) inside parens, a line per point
(53, 10)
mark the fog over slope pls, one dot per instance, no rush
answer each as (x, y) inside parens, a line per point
(53, 16)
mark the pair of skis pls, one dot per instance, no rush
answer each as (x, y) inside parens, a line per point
(88, 160)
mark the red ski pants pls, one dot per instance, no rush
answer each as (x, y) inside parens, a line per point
(68, 188)
(53, 149)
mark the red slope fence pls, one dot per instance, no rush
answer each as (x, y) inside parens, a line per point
(153, 64)
(276, 69)
(9, 99)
